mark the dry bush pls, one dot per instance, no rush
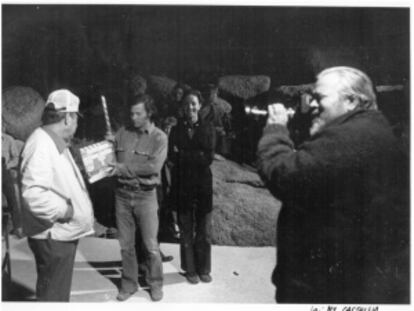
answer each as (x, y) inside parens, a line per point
(245, 213)
(22, 110)
(244, 86)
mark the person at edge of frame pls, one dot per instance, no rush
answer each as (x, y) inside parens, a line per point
(343, 230)
(57, 210)
(11, 150)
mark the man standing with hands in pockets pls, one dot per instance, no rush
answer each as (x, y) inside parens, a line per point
(57, 210)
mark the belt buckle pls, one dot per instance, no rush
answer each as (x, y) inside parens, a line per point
(129, 187)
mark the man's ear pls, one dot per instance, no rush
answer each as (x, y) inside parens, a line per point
(351, 103)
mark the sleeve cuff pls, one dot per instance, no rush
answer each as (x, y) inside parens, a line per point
(121, 169)
(273, 128)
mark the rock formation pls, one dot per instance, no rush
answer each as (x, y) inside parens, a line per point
(244, 211)
(244, 86)
(22, 109)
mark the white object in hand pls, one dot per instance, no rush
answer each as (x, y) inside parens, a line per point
(105, 110)
(260, 112)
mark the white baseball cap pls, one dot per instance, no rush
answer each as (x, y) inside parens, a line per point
(63, 101)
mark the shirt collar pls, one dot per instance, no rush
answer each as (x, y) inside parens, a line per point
(147, 129)
(61, 145)
(189, 124)
(345, 117)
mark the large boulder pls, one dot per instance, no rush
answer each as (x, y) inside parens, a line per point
(294, 90)
(244, 86)
(244, 212)
(22, 110)
(223, 105)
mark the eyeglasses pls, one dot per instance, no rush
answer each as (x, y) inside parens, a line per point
(315, 96)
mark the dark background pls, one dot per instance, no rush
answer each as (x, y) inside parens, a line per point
(98, 49)
(89, 47)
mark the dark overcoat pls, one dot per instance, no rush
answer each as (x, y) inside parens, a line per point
(191, 156)
(343, 230)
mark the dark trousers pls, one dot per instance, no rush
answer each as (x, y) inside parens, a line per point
(368, 284)
(54, 265)
(195, 245)
(138, 211)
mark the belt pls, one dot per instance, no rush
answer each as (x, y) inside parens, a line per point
(133, 188)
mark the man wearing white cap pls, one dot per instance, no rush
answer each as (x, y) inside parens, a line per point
(57, 210)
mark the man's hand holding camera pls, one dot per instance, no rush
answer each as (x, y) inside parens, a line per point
(278, 114)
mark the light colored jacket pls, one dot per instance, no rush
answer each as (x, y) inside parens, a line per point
(49, 174)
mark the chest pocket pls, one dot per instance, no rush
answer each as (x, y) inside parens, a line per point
(132, 150)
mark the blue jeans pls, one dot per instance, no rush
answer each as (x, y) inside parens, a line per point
(138, 211)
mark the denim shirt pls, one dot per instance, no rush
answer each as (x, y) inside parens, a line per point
(141, 154)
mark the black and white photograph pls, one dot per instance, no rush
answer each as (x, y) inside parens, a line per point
(206, 154)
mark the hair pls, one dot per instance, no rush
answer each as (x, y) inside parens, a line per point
(195, 93)
(207, 90)
(355, 85)
(149, 105)
(51, 115)
(179, 85)
(212, 87)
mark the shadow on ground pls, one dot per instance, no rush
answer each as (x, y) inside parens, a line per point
(13, 291)
(112, 270)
